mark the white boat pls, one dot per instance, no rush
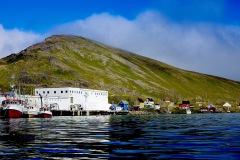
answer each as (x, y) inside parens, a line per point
(188, 111)
(30, 111)
(12, 108)
(44, 112)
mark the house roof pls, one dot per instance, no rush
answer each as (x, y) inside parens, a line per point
(210, 105)
(150, 99)
(185, 102)
(227, 104)
(124, 102)
(140, 100)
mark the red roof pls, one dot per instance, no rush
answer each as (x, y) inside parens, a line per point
(184, 105)
(203, 109)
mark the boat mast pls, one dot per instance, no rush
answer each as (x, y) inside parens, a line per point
(41, 100)
(12, 85)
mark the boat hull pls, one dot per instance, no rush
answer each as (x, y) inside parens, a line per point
(11, 113)
(45, 115)
(30, 114)
(25, 115)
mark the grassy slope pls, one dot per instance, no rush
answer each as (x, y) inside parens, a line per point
(78, 62)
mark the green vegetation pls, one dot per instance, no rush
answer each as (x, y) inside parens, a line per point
(73, 61)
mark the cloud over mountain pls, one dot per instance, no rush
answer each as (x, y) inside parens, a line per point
(15, 40)
(203, 47)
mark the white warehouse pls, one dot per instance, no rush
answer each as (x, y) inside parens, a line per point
(68, 98)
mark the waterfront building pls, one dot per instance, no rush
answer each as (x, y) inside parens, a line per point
(149, 102)
(68, 98)
(124, 105)
(184, 105)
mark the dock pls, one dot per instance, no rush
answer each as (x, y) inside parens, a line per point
(86, 113)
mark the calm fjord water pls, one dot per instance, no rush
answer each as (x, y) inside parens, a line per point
(196, 136)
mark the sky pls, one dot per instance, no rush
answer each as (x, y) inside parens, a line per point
(195, 35)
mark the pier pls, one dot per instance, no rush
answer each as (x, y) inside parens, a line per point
(86, 113)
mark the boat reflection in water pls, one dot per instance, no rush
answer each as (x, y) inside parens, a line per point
(14, 134)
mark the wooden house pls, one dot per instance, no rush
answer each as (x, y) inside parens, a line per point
(149, 102)
(211, 107)
(184, 105)
(124, 105)
(203, 109)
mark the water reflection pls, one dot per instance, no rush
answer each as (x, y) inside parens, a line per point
(13, 133)
(204, 136)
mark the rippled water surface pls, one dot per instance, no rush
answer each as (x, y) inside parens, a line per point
(196, 136)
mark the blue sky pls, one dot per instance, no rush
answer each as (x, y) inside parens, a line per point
(197, 35)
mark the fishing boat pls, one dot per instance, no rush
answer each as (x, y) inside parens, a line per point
(44, 112)
(30, 111)
(12, 108)
(31, 108)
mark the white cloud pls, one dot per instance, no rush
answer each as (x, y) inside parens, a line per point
(206, 48)
(14, 40)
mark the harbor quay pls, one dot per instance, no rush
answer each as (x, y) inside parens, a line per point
(65, 101)
(70, 101)
(86, 113)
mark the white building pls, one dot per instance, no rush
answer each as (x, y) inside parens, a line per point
(68, 98)
(149, 102)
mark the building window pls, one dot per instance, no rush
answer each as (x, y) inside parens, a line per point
(43, 92)
(71, 100)
(54, 92)
(66, 91)
(36, 92)
(47, 92)
(61, 91)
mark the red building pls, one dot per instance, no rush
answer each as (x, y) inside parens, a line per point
(184, 104)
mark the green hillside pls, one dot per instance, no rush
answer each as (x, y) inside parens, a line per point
(71, 61)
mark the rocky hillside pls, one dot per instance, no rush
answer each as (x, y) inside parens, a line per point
(71, 61)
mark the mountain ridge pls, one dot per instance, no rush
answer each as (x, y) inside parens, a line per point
(64, 60)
